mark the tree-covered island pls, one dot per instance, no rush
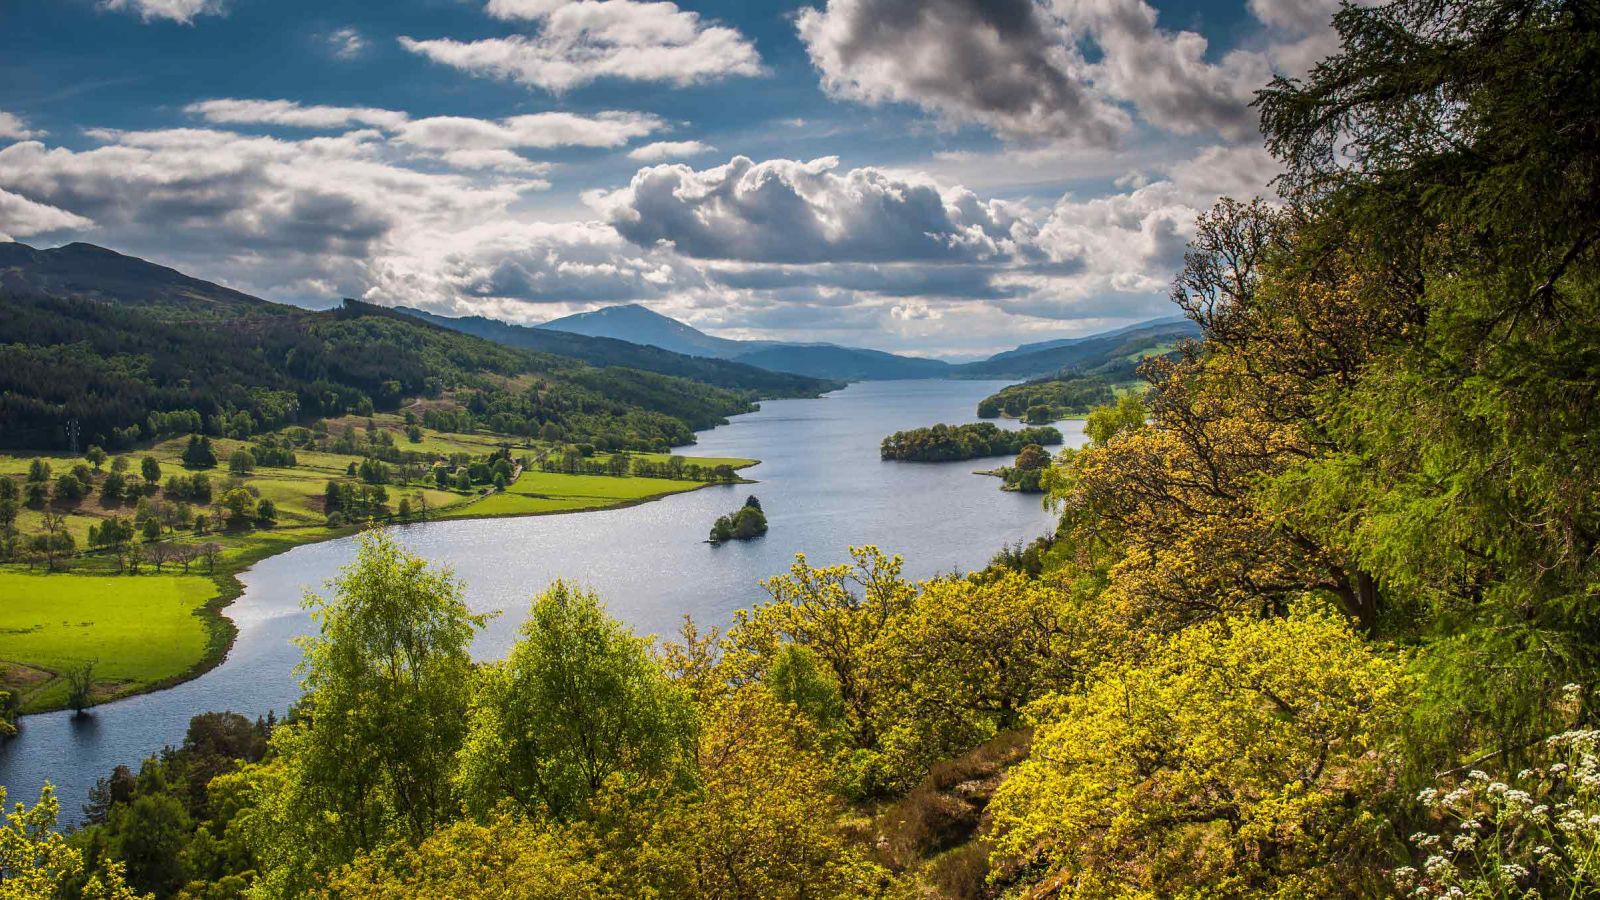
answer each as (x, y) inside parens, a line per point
(1026, 475)
(746, 522)
(947, 443)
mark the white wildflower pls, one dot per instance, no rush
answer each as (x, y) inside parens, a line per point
(1438, 866)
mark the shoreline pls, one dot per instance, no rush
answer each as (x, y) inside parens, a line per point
(221, 629)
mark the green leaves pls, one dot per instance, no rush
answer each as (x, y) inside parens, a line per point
(578, 701)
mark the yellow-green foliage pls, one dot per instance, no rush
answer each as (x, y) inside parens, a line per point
(923, 671)
(37, 862)
(1223, 765)
(136, 630)
(761, 823)
(506, 857)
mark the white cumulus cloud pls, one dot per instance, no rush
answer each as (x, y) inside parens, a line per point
(345, 43)
(13, 128)
(542, 130)
(577, 42)
(181, 11)
(21, 218)
(659, 150)
(789, 211)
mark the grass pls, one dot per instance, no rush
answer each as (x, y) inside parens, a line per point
(538, 493)
(140, 632)
(144, 642)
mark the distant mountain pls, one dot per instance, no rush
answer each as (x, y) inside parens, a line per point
(605, 351)
(1083, 354)
(638, 325)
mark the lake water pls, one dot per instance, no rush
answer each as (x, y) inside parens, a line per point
(821, 484)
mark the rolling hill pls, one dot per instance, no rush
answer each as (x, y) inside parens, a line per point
(1085, 353)
(1040, 346)
(120, 348)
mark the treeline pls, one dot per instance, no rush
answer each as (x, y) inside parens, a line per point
(943, 443)
(588, 763)
(581, 460)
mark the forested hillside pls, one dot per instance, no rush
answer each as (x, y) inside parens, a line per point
(129, 351)
(1321, 617)
(1083, 354)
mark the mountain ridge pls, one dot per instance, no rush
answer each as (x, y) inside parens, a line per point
(636, 323)
(598, 350)
(639, 324)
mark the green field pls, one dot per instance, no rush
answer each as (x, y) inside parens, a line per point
(544, 492)
(151, 629)
(138, 630)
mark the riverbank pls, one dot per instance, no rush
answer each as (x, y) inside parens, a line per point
(139, 637)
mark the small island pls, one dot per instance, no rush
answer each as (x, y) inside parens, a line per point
(947, 443)
(1026, 475)
(748, 521)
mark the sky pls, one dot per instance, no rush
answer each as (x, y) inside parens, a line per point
(940, 177)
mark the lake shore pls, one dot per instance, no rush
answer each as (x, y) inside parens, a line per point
(47, 694)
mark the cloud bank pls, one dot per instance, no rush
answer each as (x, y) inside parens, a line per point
(1073, 71)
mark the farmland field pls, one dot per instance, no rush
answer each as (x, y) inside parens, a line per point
(137, 631)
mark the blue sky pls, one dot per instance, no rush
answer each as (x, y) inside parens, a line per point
(939, 176)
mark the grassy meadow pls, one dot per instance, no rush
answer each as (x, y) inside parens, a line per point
(136, 631)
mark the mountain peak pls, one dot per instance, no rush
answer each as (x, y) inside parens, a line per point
(639, 324)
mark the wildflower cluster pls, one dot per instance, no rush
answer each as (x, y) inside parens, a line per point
(1531, 835)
